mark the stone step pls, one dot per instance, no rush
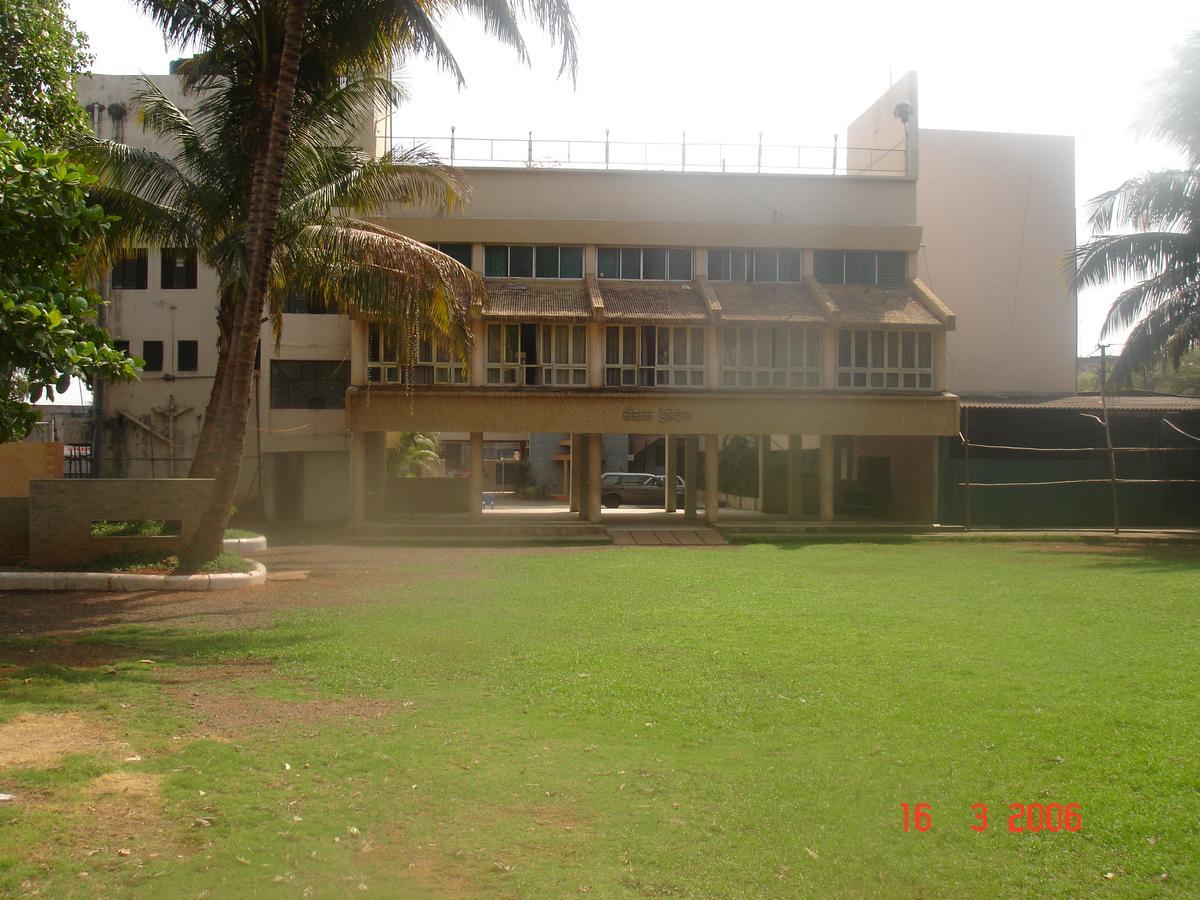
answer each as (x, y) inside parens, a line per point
(474, 534)
(666, 537)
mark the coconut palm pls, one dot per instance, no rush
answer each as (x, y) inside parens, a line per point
(1148, 230)
(198, 198)
(280, 53)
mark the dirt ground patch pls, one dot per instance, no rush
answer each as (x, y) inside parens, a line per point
(229, 716)
(38, 741)
(73, 654)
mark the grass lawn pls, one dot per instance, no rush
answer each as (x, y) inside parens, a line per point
(730, 722)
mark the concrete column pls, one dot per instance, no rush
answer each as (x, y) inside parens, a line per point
(575, 490)
(358, 351)
(375, 468)
(595, 354)
(829, 357)
(475, 476)
(581, 505)
(764, 455)
(939, 360)
(595, 461)
(827, 476)
(711, 503)
(671, 468)
(795, 505)
(478, 352)
(358, 476)
(691, 475)
(712, 356)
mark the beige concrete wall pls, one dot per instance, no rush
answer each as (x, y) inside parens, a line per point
(61, 513)
(998, 213)
(877, 140)
(14, 529)
(20, 463)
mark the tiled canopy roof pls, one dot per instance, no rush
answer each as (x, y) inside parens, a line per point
(532, 298)
(859, 305)
(751, 302)
(652, 301)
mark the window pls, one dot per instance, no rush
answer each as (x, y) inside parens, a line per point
(518, 261)
(884, 359)
(131, 271)
(458, 252)
(648, 356)
(523, 353)
(563, 354)
(432, 365)
(187, 355)
(309, 384)
(779, 356)
(645, 263)
(726, 264)
(152, 353)
(298, 303)
(121, 346)
(178, 269)
(860, 267)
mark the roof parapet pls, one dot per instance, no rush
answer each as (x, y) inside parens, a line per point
(934, 304)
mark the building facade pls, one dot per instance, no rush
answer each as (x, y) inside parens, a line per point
(633, 318)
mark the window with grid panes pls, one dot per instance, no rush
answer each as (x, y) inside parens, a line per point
(521, 261)
(433, 363)
(770, 356)
(458, 252)
(645, 263)
(727, 264)
(885, 359)
(563, 357)
(649, 356)
(679, 357)
(867, 267)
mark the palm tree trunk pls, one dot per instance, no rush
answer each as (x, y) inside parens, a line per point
(204, 463)
(260, 244)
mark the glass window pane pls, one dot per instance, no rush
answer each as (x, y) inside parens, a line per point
(779, 348)
(545, 262)
(578, 344)
(629, 345)
(729, 346)
(493, 343)
(813, 339)
(766, 265)
(663, 356)
(681, 265)
(737, 265)
(697, 346)
(608, 262)
(844, 360)
(612, 345)
(925, 350)
(745, 346)
(791, 265)
(679, 342)
(860, 267)
(512, 341)
(631, 262)
(390, 349)
(459, 252)
(762, 348)
(373, 343)
(495, 261)
(877, 357)
(909, 354)
(893, 343)
(570, 262)
(796, 348)
(829, 266)
(654, 263)
(860, 349)
(561, 337)
(718, 265)
(520, 262)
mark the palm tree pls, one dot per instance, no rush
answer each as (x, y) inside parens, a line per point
(196, 198)
(1148, 230)
(413, 455)
(281, 52)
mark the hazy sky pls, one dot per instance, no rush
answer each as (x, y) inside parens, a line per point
(796, 71)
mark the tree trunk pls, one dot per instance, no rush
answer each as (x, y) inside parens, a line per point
(204, 463)
(260, 244)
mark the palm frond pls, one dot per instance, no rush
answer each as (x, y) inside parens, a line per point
(1136, 301)
(1168, 200)
(1115, 257)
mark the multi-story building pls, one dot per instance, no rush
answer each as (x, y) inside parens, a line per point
(637, 316)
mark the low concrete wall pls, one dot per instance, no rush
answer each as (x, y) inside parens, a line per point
(61, 514)
(14, 529)
(21, 463)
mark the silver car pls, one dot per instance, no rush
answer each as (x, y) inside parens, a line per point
(636, 489)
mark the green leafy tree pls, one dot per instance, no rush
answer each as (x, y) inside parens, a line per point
(49, 320)
(1148, 231)
(43, 53)
(415, 453)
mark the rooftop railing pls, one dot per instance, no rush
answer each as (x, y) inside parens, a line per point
(661, 156)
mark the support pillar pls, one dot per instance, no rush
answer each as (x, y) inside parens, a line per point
(595, 459)
(795, 505)
(575, 489)
(764, 456)
(711, 502)
(827, 475)
(691, 475)
(475, 476)
(358, 476)
(670, 468)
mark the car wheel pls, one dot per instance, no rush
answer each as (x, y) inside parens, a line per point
(612, 501)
